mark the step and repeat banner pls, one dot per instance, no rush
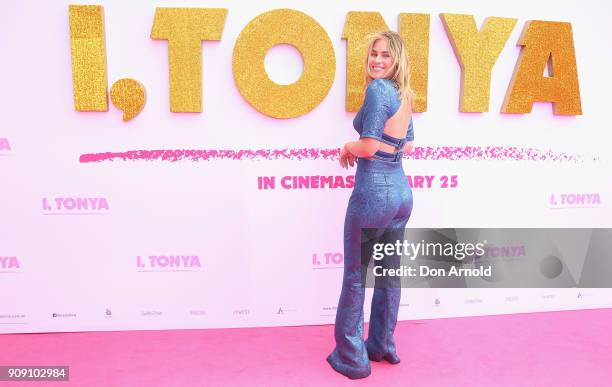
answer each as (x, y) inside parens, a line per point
(174, 165)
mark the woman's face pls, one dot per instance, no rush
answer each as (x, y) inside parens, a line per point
(380, 60)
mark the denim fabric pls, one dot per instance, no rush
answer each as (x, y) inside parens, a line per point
(381, 198)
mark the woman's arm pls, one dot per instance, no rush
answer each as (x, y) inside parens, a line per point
(365, 147)
(372, 118)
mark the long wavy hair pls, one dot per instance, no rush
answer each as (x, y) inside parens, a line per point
(400, 72)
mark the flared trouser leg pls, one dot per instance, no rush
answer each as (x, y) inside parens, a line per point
(350, 356)
(385, 304)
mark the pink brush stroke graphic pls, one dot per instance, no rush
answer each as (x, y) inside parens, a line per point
(418, 153)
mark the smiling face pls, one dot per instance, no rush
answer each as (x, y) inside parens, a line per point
(380, 62)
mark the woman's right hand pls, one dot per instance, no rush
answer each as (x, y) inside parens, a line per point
(346, 158)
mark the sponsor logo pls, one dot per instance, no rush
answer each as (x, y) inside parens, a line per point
(581, 295)
(151, 313)
(328, 311)
(282, 310)
(64, 315)
(12, 316)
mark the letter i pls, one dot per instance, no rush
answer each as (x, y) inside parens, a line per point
(87, 46)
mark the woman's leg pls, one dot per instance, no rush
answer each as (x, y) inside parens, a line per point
(350, 357)
(385, 304)
(387, 293)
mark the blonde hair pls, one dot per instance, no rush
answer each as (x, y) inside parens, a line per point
(400, 72)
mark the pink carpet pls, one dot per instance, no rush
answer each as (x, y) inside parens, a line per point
(572, 348)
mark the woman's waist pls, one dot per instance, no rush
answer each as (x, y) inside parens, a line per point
(387, 156)
(366, 165)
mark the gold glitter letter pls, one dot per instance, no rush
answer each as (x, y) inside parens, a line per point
(306, 35)
(477, 52)
(88, 57)
(185, 28)
(543, 41)
(357, 26)
(414, 29)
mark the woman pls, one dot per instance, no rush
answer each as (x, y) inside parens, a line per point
(381, 198)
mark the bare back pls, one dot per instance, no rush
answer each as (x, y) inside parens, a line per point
(397, 125)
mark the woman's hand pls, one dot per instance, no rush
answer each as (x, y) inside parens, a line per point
(346, 158)
(408, 147)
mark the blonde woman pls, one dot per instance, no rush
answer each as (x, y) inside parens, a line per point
(381, 199)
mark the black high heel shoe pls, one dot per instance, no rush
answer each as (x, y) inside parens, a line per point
(391, 358)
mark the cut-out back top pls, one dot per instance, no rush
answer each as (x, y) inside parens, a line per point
(381, 102)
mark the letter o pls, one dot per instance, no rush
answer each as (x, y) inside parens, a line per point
(275, 27)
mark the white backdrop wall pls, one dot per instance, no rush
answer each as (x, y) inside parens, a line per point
(247, 252)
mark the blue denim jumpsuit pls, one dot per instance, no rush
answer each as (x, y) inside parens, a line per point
(381, 198)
